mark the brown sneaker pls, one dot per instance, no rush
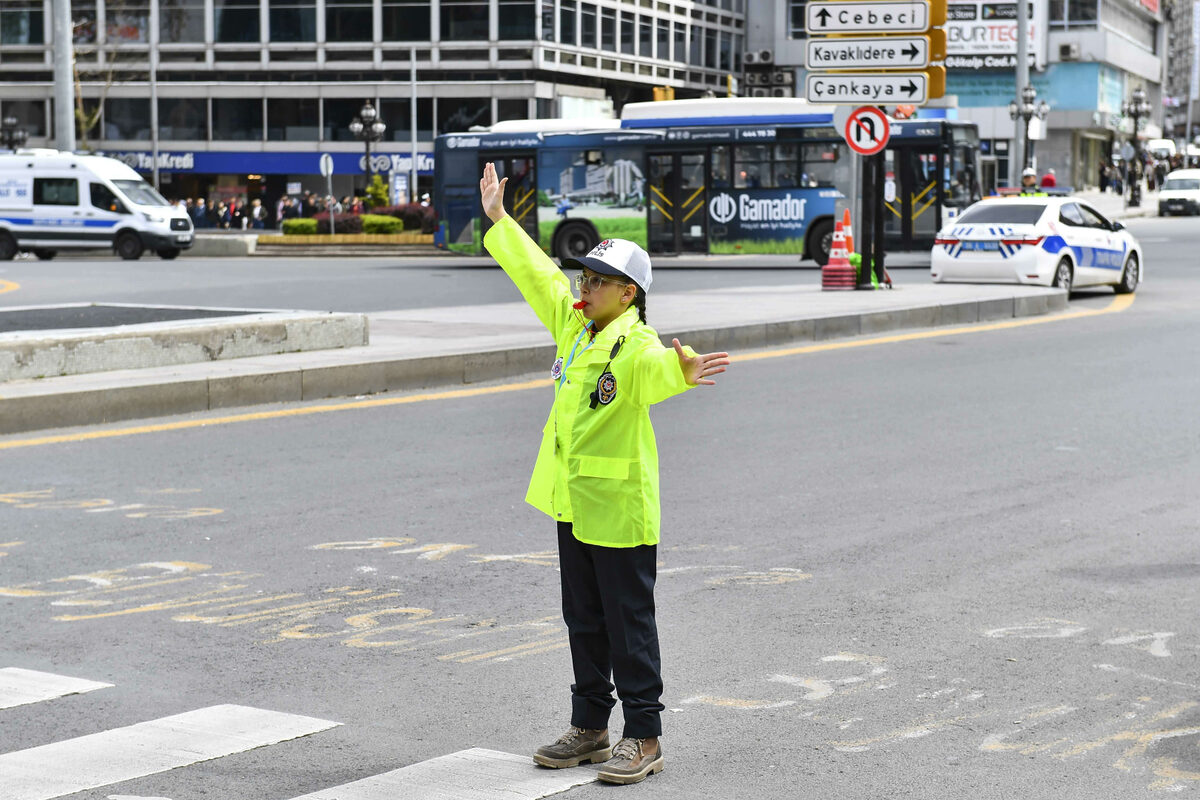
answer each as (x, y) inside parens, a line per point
(574, 747)
(629, 764)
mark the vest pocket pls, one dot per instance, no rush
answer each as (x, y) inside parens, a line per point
(603, 467)
(606, 500)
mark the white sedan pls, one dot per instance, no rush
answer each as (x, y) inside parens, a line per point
(1049, 241)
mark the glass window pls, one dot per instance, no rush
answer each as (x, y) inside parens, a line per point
(349, 21)
(127, 119)
(22, 22)
(181, 20)
(627, 33)
(128, 21)
(237, 119)
(291, 120)
(1066, 14)
(140, 192)
(753, 167)
(459, 114)
(784, 165)
(30, 114)
(566, 22)
(547, 20)
(645, 37)
(608, 29)
(398, 116)
(680, 43)
(464, 20)
(55, 192)
(83, 21)
(587, 26)
(1012, 213)
(721, 167)
(104, 198)
(824, 165)
(726, 62)
(515, 18)
(512, 109)
(1069, 214)
(406, 20)
(235, 21)
(710, 48)
(339, 113)
(183, 118)
(662, 32)
(796, 23)
(1092, 218)
(1181, 185)
(293, 20)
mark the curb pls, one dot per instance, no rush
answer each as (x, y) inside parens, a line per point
(42, 408)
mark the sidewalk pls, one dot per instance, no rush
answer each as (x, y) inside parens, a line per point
(452, 346)
(1115, 206)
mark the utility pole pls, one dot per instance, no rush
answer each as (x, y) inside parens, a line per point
(64, 80)
(413, 197)
(154, 22)
(1016, 156)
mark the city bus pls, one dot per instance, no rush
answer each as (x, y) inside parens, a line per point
(711, 176)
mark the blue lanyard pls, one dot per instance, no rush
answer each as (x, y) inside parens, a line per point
(571, 357)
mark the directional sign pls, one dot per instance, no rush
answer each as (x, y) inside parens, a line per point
(852, 88)
(867, 130)
(868, 52)
(868, 16)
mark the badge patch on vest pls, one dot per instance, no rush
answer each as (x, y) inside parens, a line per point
(606, 388)
(556, 370)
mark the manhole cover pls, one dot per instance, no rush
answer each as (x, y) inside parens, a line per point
(51, 318)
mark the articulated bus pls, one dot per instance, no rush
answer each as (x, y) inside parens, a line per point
(721, 176)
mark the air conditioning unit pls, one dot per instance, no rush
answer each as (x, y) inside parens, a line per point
(766, 57)
(751, 57)
(1068, 52)
(754, 78)
(781, 91)
(760, 91)
(783, 77)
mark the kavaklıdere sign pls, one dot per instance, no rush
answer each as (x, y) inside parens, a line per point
(983, 35)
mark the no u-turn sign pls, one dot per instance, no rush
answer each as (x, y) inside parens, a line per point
(866, 130)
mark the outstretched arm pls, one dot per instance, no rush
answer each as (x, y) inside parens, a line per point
(492, 191)
(662, 373)
(696, 368)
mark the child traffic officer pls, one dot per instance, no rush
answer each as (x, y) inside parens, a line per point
(596, 475)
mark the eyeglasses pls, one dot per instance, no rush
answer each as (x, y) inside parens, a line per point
(594, 282)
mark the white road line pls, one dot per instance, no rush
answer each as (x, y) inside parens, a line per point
(20, 687)
(474, 774)
(146, 748)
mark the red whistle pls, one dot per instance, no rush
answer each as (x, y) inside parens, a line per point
(579, 305)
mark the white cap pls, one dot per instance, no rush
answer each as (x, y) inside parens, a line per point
(619, 257)
(1029, 172)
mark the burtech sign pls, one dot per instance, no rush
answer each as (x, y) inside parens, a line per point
(763, 213)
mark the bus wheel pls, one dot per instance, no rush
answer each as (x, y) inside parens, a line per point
(168, 253)
(574, 240)
(129, 246)
(821, 242)
(8, 247)
(44, 255)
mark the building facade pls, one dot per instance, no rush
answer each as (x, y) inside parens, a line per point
(251, 92)
(1087, 57)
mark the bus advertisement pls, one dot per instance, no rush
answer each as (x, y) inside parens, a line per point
(713, 176)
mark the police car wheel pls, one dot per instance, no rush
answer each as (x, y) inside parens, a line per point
(129, 247)
(45, 255)
(168, 253)
(1063, 275)
(8, 247)
(1130, 277)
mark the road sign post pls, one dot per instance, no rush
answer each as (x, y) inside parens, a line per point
(327, 171)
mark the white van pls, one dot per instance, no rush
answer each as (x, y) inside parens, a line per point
(51, 201)
(1180, 193)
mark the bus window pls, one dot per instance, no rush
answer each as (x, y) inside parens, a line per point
(720, 167)
(824, 166)
(753, 167)
(787, 162)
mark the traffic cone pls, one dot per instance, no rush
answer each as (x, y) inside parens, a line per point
(849, 231)
(838, 273)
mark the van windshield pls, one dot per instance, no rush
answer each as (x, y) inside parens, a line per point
(1182, 184)
(141, 193)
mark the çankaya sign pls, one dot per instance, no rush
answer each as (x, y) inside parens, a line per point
(857, 89)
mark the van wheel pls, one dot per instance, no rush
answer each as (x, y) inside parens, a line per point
(574, 240)
(129, 246)
(45, 255)
(820, 242)
(168, 253)
(8, 247)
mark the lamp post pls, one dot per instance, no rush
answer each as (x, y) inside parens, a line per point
(369, 128)
(1026, 110)
(11, 136)
(1137, 107)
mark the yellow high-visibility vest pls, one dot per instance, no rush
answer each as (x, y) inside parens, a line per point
(597, 467)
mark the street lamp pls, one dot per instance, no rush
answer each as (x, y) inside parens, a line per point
(1026, 110)
(1137, 107)
(369, 128)
(11, 136)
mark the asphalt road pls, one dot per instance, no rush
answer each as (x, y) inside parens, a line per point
(950, 567)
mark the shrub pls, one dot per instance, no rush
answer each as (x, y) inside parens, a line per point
(377, 192)
(299, 227)
(342, 223)
(378, 223)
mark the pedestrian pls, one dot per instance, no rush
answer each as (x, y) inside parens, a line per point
(596, 475)
(257, 215)
(1029, 181)
(1048, 180)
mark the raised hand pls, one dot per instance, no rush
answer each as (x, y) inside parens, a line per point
(492, 191)
(696, 369)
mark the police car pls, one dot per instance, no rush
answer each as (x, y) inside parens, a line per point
(1049, 241)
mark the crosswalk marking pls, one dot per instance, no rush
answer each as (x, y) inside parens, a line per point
(121, 754)
(474, 774)
(19, 687)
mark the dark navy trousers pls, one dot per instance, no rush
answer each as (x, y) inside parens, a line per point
(608, 605)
